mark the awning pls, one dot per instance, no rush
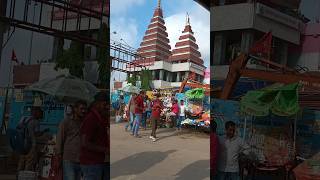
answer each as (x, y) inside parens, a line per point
(281, 100)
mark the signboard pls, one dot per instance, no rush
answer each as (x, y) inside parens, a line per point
(95, 5)
(21, 105)
(276, 15)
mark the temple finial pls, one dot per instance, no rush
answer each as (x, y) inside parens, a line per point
(187, 19)
(159, 3)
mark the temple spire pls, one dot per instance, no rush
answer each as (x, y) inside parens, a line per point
(159, 3)
(187, 19)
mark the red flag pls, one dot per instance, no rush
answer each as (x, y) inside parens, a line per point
(263, 46)
(14, 57)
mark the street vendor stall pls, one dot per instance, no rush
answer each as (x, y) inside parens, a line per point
(198, 115)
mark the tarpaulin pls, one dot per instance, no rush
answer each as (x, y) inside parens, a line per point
(197, 93)
(278, 99)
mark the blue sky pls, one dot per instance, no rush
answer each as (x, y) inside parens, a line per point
(130, 18)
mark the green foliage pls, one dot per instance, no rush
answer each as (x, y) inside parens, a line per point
(145, 77)
(71, 59)
(103, 58)
(133, 80)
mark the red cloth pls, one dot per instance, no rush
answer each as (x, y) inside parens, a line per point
(156, 108)
(175, 108)
(95, 129)
(213, 152)
(139, 104)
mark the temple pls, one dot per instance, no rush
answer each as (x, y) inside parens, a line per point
(169, 68)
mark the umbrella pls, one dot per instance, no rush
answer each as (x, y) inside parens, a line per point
(131, 89)
(67, 89)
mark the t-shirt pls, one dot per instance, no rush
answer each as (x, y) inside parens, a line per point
(156, 108)
(132, 105)
(182, 110)
(139, 105)
(175, 108)
(229, 150)
(95, 128)
(68, 139)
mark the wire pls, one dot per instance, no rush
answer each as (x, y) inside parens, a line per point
(9, 37)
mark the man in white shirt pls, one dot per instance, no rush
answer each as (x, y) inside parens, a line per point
(230, 146)
(182, 110)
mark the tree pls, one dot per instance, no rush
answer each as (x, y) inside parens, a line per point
(103, 57)
(72, 59)
(145, 77)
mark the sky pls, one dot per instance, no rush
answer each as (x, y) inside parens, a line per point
(130, 19)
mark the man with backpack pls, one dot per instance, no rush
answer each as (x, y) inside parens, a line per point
(29, 134)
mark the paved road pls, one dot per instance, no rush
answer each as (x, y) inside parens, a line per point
(182, 156)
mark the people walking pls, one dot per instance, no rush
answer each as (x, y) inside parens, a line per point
(175, 112)
(32, 135)
(157, 107)
(69, 142)
(138, 113)
(131, 106)
(182, 110)
(95, 140)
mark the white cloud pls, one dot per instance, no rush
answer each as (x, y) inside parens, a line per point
(200, 22)
(121, 6)
(125, 29)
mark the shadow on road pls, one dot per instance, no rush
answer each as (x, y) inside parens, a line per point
(198, 170)
(138, 163)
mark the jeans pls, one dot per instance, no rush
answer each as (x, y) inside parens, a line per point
(144, 120)
(179, 120)
(71, 170)
(93, 172)
(130, 123)
(136, 124)
(228, 176)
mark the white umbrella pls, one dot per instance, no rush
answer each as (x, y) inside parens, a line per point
(66, 88)
(131, 89)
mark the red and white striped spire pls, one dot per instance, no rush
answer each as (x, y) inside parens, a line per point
(155, 45)
(186, 49)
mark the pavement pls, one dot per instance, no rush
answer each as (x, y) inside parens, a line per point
(175, 156)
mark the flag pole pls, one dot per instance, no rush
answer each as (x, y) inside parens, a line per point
(3, 125)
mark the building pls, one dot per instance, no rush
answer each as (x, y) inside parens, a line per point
(169, 68)
(236, 25)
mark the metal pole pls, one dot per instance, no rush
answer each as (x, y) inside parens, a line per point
(3, 125)
(31, 40)
(3, 8)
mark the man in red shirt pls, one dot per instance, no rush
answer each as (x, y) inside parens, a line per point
(175, 110)
(155, 115)
(138, 113)
(94, 135)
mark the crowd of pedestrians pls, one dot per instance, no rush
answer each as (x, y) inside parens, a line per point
(143, 110)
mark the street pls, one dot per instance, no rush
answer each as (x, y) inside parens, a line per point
(181, 156)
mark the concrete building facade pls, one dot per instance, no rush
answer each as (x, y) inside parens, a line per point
(236, 25)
